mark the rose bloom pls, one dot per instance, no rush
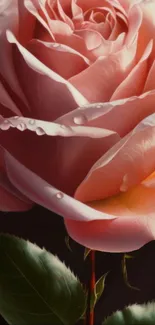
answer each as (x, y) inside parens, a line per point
(77, 123)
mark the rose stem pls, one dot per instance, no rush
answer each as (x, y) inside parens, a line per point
(90, 313)
(92, 283)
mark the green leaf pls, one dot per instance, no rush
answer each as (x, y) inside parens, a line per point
(124, 271)
(67, 241)
(36, 288)
(133, 315)
(86, 252)
(98, 290)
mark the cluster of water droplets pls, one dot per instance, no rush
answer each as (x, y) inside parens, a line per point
(21, 126)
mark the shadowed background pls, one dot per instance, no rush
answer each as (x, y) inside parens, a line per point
(47, 229)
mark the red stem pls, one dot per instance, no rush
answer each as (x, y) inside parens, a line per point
(92, 284)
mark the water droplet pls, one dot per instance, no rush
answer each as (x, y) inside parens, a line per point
(31, 122)
(63, 126)
(40, 131)
(15, 117)
(59, 195)
(56, 45)
(124, 186)
(21, 126)
(5, 125)
(80, 119)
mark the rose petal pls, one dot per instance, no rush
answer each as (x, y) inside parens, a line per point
(43, 193)
(7, 101)
(10, 198)
(26, 23)
(119, 235)
(125, 165)
(9, 19)
(105, 115)
(150, 81)
(63, 15)
(103, 76)
(56, 57)
(58, 143)
(33, 8)
(45, 84)
(135, 20)
(146, 32)
(134, 83)
(92, 38)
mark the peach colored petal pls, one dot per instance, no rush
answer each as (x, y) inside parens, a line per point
(45, 194)
(119, 235)
(102, 28)
(150, 81)
(135, 21)
(99, 81)
(104, 115)
(92, 38)
(46, 84)
(63, 15)
(134, 83)
(146, 32)
(59, 58)
(125, 165)
(77, 13)
(133, 227)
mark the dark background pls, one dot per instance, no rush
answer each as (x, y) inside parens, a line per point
(47, 229)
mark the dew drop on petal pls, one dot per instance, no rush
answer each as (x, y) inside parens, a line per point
(31, 122)
(5, 125)
(63, 126)
(21, 126)
(56, 45)
(15, 117)
(40, 131)
(80, 119)
(59, 195)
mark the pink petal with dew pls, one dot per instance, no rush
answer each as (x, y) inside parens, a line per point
(45, 84)
(46, 195)
(60, 58)
(45, 147)
(104, 115)
(125, 165)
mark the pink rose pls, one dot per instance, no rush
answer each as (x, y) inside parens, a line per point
(77, 90)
